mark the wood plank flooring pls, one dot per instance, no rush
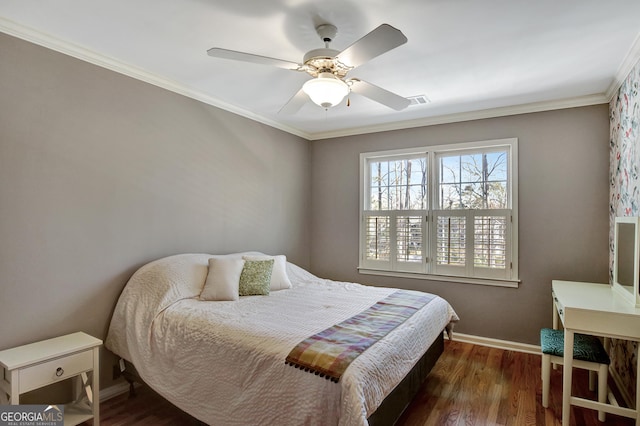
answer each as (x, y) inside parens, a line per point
(470, 385)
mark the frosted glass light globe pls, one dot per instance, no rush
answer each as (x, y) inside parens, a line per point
(326, 90)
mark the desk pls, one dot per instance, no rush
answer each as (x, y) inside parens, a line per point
(598, 310)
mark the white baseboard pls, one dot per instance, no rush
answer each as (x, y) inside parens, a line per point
(496, 343)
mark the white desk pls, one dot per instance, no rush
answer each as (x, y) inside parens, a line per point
(598, 310)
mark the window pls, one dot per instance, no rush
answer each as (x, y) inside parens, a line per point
(446, 211)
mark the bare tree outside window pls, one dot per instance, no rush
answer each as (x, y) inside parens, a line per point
(473, 181)
(398, 184)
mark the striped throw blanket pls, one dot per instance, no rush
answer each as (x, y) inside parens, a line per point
(329, 353)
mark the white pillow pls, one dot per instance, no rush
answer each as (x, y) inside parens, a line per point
(279, 278)
(223, 279)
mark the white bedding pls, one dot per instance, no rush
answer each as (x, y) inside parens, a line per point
(223, 362)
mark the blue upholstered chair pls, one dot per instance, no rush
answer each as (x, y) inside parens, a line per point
(588, 354)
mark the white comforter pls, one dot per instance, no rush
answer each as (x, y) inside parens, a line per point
(223, 362)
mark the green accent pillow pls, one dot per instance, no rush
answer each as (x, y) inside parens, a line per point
(255, 278)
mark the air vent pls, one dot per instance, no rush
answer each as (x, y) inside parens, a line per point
(419, 100)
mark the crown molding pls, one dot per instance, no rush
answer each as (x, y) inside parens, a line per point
(87, 55)
(630, 60)
(469, 116)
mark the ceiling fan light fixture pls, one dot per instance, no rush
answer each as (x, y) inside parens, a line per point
(326, 90)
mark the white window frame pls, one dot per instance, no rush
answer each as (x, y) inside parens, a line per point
(428, 268)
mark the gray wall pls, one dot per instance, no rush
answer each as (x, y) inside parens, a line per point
(563, 213)
(101, 173)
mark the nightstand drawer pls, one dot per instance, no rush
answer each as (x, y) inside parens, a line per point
(52, 371)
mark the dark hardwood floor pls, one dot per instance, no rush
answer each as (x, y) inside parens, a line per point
(470, 385)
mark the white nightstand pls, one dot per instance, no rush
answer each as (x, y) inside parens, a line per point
(39, 364)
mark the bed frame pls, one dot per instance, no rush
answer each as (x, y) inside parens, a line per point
(399, 399)
(391, 407)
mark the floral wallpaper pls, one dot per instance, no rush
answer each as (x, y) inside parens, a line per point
(624, 197)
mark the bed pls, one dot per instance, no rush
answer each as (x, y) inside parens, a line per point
(223, 362)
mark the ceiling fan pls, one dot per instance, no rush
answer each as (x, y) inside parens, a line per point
(329, 68)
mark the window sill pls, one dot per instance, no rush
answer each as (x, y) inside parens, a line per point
(447, 278)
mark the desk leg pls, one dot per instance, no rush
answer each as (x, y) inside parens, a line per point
(555, 325)
(566, 377)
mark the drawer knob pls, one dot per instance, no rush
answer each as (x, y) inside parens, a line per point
(59, 371)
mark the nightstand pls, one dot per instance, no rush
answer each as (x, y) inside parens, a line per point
(39, 364)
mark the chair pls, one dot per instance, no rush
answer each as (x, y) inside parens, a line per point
(588, 354)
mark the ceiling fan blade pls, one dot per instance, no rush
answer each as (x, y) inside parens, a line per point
(379, 94)
(218, 52)
(377, 42)
(294, 104)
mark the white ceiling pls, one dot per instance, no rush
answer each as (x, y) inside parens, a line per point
(471, 58)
